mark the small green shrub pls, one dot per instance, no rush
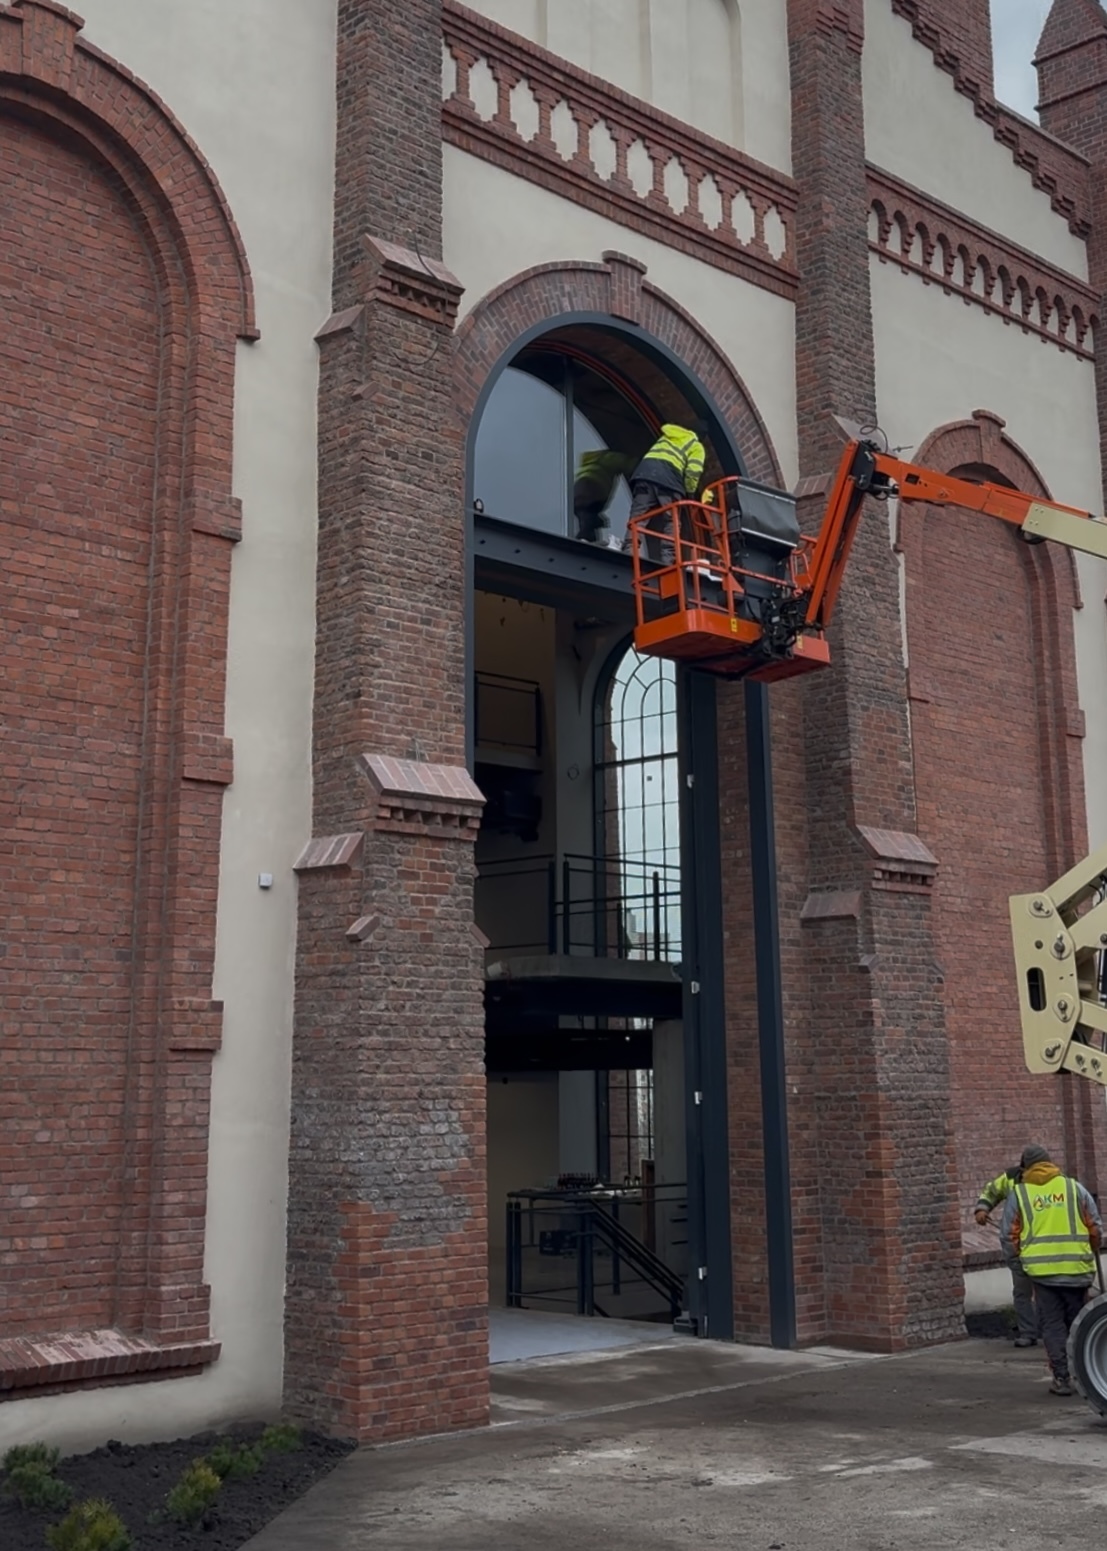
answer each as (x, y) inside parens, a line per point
(194, 1493)
(32, 1454)
(231, 1463)
(29, 1478)
(90, 1526)
(281, 1438)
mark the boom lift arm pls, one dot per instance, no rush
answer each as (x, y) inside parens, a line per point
(732, 588)
(866, 471)
(729, 585)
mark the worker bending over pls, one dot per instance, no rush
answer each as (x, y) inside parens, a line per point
(996, 1192)
(672, 470)
(1055, 1231)
(593, 487)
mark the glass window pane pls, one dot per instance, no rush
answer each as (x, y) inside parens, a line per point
(519, 464)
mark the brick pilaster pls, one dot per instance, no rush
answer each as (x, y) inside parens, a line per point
(387, 1279)
(1072, 87)
(1072, 83)
(874, 1055)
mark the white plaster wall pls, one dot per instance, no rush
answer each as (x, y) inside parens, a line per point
(253, 83)
(987, 1290)
(720, 65)
(497, 225)
(937, 361)
(921, 129)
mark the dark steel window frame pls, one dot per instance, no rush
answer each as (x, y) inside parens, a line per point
(705, 1028)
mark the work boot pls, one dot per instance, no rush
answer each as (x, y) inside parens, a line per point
(1026, 1340)
(1060, 1386)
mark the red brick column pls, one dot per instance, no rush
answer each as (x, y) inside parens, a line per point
(387, 1272)
(867, 1039)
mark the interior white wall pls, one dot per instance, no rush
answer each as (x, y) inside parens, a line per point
(937, 361)
(497, 225)
(253, 84)
(523, 1141)
(720, 65)
(921, 129)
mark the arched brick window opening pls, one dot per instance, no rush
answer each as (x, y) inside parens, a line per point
(995, 724)
(686, 374)
(126, 288)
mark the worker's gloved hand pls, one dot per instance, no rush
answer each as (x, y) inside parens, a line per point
(981, 1216)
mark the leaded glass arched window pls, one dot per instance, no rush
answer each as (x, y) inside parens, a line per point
(638, 800)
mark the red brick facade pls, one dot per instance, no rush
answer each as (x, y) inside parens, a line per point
(126, 287)
(1013, 644)
(116, 553)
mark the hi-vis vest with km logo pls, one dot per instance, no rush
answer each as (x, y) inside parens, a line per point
(1054, 1239)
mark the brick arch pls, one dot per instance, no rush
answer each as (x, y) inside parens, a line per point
(996, 731)
(617, 288)
(129, 289)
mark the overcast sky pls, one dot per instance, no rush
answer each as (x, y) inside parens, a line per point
(1016, 27)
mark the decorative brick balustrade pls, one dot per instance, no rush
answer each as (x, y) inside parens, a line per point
(515, 105)
(945, 248)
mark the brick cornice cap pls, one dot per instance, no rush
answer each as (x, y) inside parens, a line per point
(401, 278)
(390, 255)
(417, 784)
(897, 845)
(901, 862)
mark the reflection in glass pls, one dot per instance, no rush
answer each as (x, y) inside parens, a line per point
(555, 445)
(519, 460)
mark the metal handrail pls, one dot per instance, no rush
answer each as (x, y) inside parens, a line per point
(595, 1218)
(605, 902)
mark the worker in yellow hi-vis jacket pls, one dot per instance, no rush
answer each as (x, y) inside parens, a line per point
(999, 1192)
(1055, 1230)
(672, 470)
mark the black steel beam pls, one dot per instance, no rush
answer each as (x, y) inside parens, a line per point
(548, 569)
(711, 1297)
(562, 1050)
(770, 1021)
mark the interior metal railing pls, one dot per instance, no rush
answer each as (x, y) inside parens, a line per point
(575, 904)
(577, 1249)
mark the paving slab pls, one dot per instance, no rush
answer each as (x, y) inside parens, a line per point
(697, 1444)
(520, 1335)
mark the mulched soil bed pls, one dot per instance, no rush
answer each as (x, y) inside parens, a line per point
(135, 1480)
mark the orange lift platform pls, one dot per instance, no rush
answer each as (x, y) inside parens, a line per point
(729, 585)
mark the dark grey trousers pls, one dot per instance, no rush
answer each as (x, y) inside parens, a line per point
(1022, 1287)
(1058, 1307)
(645, 495)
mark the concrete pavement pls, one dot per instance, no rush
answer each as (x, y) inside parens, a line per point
(692, 1443)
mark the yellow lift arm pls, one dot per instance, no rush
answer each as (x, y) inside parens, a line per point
(1059, 936)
